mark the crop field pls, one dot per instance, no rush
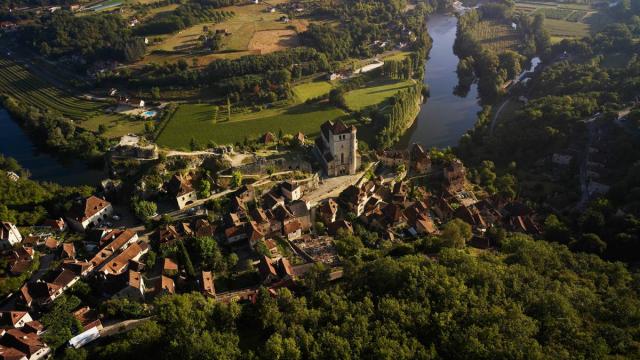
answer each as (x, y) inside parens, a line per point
(205, 123)
(375, 93)
(246, 35)
(21, 84)
(496, 36)
(312, 90)
(564, 20)
(17, 81)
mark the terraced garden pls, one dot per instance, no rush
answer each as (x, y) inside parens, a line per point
(16, 81)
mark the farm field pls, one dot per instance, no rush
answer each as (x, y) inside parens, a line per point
(564, 20)
(252, 30)
(311, 90)
(18, 82)
(376, 92)
(496, 36)
(28, 88)
(196, 121)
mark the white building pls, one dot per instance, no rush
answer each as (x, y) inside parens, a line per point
(291, 191)
(337, 148)
(89, 212)
(9, 235)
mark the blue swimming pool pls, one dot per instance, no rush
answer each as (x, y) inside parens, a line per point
(149, 113)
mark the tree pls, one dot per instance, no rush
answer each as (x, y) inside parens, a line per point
(204, 189)
(456, 233)
(144, 209)
(236, 179)
(155, 93)
(60, 323)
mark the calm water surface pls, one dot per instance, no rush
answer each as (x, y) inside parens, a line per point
(445, 117)
(15, 143)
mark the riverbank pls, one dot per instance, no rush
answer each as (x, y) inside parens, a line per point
(15, 143)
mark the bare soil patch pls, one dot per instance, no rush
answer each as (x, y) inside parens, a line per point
(268, 41)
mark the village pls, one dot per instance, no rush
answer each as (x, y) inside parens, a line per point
(271, 233)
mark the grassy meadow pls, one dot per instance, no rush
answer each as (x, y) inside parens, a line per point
(204, 123)
(375, 92)
(312, 90)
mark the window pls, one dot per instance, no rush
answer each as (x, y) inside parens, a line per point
(342, 158)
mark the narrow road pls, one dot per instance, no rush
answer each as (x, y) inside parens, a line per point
(122, 327)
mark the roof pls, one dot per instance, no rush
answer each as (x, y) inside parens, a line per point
(118, 264)
(169, 265)
(259, 215)
(65, 277)
(292, 227)
(28, 343)
(266, 268)
(285, 266)
(207, 283)
(11, 317)
(87, 208)
(165, 284)
(299, 208)
(135, 279)
(6, 229)
(330, 207)
(180, 185)
(9, 353)
(87, 317)
(336, 128)
(51, 243)
(69, 250)
(289, 186)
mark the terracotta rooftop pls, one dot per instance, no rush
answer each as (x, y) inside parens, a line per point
(88, 207)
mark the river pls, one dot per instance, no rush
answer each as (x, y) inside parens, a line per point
(445, 117)
(15, 143)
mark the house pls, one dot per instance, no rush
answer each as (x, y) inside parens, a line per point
(134, 288)
(163, 285)
(328, 211)
(9, 235)
(291, 191)
(299, 137)
(119, 263)
(122, 240)
(293, 230)
(80, 268)
(393, 158)
(300, 212)
(68, 251)
(91, 327)
(354, 199)
(245, 194)
(169, 267)
(267, 271)
(454, 176)
(337, 148)
(34, 326)
(9, 353)
(13, 176)
(271, 247)
(89, 212)
(235, 234)
(30, 344)
(255, 233)
(40, 292)
(180, 187)
(267, 138)
(419, 160)
(207, 286)
(51, 243)
(271, 201)
(167, 235)
(15, 319)
(204, 228)
(58, 225)
(66, 279)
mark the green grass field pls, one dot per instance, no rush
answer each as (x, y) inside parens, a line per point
(375, 93)
(205, 123)
(496, 36)
(312, 89)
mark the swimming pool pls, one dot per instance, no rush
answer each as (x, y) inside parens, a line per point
(149, 113)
